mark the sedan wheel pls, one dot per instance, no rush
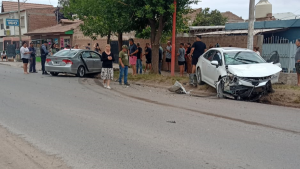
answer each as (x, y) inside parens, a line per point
(81, 71)
(199, 77)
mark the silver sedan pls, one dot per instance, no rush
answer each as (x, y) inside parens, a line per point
(74, 61)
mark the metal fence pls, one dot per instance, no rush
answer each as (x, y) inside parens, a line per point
(282, 47)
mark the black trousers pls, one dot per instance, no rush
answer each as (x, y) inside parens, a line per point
(32, 64)
(43, 61)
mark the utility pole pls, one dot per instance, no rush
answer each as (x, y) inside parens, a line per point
(251, 24)
(20, 36)
(173, 41)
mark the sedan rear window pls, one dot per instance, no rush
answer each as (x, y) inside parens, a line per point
(66, 53)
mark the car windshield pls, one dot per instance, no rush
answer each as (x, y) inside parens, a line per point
(242, 57)
(66, 53)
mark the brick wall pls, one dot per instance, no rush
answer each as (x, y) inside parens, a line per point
(40, 18)
(224, 41)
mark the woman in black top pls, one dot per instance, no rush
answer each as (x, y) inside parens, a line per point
(97, 48)
(107, 72)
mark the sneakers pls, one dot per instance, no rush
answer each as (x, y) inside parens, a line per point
(108, 87)
(127, 84)
(104, 84)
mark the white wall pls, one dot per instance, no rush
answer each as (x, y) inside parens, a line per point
(14, 30)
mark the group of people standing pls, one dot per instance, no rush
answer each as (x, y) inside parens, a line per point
(188, 56)
(28, 55)
(128, 56)
(133, 56)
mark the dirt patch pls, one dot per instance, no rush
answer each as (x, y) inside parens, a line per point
(284, 95)
(17, 154)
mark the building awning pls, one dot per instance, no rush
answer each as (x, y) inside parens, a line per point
(205, 27)
(236, 32)
(57, 29)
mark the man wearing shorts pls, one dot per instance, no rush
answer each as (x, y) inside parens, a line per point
(168, 54)
(148, 54)
(133, 50)
(3, 56)
(181, 59)
(198, 49)
(297, 60)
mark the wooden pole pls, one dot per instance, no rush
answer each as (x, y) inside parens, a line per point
(173, 41)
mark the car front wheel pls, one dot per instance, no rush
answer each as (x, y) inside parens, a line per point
(81, 71)
(199, 77)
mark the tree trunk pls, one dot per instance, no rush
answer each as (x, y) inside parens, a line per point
(108, 38)
(120, 40)
(156, 34)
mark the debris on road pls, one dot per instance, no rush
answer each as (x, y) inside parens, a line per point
(178, 88)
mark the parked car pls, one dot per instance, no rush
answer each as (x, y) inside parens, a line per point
(74, 61)
(236, 73)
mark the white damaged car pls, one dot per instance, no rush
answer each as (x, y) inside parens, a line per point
(237, 73)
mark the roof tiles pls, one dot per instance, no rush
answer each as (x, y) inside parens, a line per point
(8, 6)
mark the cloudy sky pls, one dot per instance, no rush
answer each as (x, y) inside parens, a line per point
(238, 7)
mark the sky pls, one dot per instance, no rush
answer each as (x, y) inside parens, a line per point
(238, 7)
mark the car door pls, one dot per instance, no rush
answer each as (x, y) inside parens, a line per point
(97, 61)
(206, 62)
(214, 74)
(88, 61)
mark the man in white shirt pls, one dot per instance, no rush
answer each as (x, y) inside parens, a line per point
(3, 56)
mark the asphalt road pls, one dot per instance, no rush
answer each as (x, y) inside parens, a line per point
(133, 128)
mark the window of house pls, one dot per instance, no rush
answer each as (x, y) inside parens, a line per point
(2, 24)
(7, 27)
(22, 21)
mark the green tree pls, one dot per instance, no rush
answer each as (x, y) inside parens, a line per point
(157, 15)
(209, 18)
(100, 17)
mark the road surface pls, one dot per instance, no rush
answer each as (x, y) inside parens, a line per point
(140, 127)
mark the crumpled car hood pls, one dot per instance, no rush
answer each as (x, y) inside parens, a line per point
(254, 70)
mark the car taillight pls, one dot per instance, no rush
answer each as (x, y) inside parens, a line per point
(68, 61)
(48, 60)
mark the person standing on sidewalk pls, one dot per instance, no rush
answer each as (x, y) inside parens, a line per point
(181, 60)
(133, 50)
(44, 53)
(188, 58)
(139, 65)
(107, 72)
(25, 55)
(148, 54)
(123, 65)
(198, 49)
(160, 59)
(168, 55)
(297, 60)
(32, 59)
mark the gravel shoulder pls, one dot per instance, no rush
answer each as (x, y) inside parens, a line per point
(18, 154)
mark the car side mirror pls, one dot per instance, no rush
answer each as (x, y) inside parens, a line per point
(215, 63)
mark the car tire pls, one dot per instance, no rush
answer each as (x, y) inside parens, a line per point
(199, 76)
(54, 73)
(81, 71)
